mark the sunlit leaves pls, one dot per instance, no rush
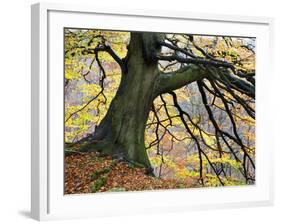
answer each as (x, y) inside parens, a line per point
(70, 74)
(86, 98)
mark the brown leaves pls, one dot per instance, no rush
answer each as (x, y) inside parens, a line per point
(80, 168)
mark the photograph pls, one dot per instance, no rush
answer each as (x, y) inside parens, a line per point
(157, 111)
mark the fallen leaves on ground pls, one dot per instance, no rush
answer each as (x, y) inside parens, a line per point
(121, 176)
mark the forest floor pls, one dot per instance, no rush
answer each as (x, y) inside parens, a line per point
(90, 173)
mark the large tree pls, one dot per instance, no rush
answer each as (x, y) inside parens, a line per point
(156, 65)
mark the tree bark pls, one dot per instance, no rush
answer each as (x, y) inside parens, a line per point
(121, 132)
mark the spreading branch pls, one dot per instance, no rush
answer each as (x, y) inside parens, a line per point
(175, 80)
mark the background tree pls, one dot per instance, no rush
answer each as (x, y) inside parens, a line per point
(142, 116)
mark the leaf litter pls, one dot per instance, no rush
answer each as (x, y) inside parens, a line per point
(90, 173)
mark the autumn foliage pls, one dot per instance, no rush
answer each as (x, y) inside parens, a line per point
(200, 134)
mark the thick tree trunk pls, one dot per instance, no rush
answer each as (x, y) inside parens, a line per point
(121, 132)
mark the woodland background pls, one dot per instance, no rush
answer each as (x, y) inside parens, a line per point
(15, 163)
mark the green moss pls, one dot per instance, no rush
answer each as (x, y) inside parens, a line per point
(100, 182)
(98, 173)
(94, 176)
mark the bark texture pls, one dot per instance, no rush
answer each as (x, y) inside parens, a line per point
(121, 132)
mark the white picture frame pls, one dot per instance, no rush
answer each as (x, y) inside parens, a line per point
(48, 201)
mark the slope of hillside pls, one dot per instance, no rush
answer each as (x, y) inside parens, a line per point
(90, 173)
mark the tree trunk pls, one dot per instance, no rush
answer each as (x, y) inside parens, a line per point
(121, 132)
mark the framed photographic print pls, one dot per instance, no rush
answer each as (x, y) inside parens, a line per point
(148, 111)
